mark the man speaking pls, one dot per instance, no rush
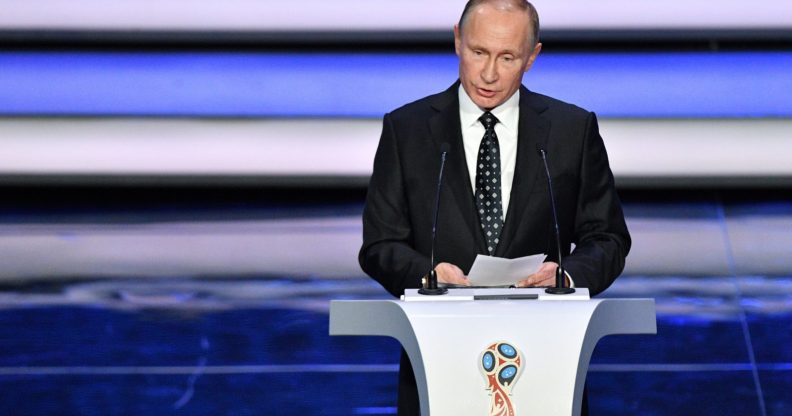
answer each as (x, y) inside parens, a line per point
(495, 197)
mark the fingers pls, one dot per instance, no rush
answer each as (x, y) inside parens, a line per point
(450, 273)
(545, 276)
(535, 280)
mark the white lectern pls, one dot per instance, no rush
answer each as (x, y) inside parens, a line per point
(474, 356)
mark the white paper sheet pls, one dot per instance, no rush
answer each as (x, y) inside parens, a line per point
(497, 271)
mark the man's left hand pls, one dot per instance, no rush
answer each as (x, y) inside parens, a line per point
(544, 277)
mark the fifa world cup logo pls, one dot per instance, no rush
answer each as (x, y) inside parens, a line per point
(501, 364)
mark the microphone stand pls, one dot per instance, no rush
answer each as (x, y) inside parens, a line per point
(560, 278)
(431, 288)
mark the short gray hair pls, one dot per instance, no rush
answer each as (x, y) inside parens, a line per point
(522, 5)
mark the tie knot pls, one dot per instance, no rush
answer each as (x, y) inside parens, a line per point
(488, 120)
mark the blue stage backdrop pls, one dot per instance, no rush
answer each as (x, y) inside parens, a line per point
(696, 85)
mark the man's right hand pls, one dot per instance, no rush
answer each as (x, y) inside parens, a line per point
(449, 273)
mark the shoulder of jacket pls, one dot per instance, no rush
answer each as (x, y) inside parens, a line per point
(557, 106)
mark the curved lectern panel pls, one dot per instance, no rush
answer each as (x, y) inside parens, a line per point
(527, 355)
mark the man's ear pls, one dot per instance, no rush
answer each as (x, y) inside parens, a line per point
(532, 57)
(457, 40)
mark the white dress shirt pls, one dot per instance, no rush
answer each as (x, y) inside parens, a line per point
(508, 115)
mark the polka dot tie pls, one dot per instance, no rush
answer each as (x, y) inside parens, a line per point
(488, 186)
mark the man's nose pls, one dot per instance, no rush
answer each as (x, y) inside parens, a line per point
(490, 72)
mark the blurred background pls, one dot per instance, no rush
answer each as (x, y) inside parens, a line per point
(181, 186)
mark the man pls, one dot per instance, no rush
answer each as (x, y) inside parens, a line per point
(495, 198)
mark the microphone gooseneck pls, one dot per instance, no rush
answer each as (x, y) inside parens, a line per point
(560, 288)
(431, 287)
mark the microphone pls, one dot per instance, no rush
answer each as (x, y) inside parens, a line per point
(431, 288)
(559, 288)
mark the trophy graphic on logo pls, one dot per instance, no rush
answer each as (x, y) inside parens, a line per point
(500, 364)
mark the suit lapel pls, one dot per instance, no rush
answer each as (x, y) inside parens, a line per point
(532, 130)
(445, 127)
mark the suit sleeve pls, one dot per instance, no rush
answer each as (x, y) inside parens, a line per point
(387, 253)
(600, 233)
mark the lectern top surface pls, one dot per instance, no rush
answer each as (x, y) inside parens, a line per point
(516, 294)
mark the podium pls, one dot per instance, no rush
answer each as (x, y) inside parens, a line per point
(496, 351)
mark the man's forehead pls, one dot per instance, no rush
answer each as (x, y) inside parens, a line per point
(497, 20)
(496, 29)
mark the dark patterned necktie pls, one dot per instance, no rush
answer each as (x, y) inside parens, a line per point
(488, 183)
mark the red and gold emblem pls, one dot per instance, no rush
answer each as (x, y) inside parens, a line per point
(501, 364)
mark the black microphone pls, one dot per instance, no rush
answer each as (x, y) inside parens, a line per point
(431, 288)
(559, 288)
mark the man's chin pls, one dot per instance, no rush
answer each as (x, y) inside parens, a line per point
(488, 102)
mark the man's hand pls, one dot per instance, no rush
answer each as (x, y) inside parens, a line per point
(449, 273)
(544, 277)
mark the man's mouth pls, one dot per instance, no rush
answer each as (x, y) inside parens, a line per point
(486, 93)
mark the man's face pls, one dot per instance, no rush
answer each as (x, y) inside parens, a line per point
(494, 50)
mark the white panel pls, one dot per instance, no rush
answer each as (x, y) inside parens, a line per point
(687, 246)
(637, 148)
(183, 249)
(345, 15)
(761, 243)
(661, 246)
(685, 148)
(207, 147)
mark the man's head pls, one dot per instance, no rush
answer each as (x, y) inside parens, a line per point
(497, 42)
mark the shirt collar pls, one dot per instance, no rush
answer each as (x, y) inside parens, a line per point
(508, 113)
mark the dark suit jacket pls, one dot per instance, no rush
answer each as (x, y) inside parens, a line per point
(397, 219)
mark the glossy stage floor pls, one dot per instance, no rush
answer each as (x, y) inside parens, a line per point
(257, 342)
